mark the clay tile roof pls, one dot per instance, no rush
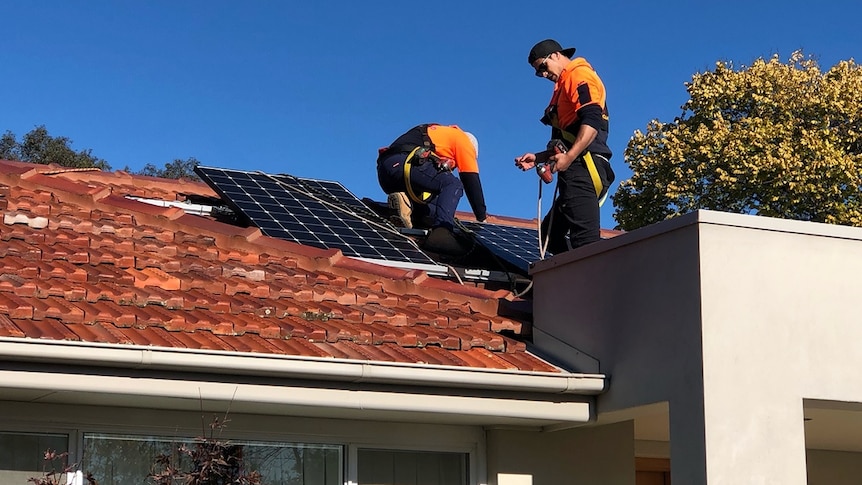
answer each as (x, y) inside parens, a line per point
(80, 261)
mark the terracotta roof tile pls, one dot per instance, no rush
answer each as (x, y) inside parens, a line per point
(17, 284)
(296, 327)
(156, 336)
(300, 346)
(57, 308)
(16, 307)
(81, 261)
(48, 328)
(100, 311)
(67, 290)
(8, 327)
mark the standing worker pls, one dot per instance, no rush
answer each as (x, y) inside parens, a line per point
(578, 115)
(418, 166)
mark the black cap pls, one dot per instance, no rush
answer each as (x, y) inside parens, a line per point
(547, 47)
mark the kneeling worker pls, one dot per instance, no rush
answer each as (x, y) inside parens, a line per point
(418, 165)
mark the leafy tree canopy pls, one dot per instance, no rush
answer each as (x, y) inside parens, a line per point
(38, 146)
(774, 139)
(178, 169)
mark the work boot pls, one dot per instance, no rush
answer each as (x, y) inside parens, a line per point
(399, 202)
(441, 240)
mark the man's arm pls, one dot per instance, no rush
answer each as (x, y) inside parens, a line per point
(590, 117)
(475, 196)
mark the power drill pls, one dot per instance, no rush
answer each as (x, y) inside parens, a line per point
(440, 163)
(543, 166)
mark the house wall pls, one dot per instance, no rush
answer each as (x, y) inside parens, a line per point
(733, 320)
(636, 308)
(781, 324)
(580, 456)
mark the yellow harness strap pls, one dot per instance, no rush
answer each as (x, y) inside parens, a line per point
(591, 167)
(594, 174)
(410, 192)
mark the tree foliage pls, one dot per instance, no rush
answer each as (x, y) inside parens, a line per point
(38, 146)
(178, 169)
(774, 139)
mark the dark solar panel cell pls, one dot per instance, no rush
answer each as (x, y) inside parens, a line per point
(331, 240)
(290, 226)
(388, 253)
(352, 240)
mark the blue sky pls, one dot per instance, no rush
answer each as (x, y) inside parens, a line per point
(314, 88)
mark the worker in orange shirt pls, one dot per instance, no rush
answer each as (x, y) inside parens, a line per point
(418, 166)
(578, 115)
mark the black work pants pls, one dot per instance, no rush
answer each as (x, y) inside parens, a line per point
(575, 212)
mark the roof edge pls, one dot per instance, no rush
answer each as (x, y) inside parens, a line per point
(265, 365)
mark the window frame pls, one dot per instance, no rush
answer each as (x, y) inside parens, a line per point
(350, 434)
(472, 453)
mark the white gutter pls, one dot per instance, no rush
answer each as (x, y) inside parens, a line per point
(269, 365)
(276, 399)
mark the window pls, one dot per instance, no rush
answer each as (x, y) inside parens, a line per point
(388, 467)
(122, 459)
(21, 454)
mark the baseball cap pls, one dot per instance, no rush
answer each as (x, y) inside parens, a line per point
(546, 48)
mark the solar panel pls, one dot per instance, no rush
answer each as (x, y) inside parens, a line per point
(518, 246)
(334, 192)
(316, 213)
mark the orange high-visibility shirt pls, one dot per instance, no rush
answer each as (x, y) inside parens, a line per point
(451, 142)
(578, 86)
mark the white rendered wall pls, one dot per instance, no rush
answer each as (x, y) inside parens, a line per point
(731, 319)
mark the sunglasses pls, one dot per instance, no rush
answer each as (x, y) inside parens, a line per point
(543, 67)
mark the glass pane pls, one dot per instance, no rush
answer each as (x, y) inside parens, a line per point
(126, 459)
(391, 467)
(21, 455)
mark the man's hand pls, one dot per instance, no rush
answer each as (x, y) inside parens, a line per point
(526, 161)
(561, 161)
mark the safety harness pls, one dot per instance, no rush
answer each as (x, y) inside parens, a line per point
(423, 196)
(418, 155)
(591, 167)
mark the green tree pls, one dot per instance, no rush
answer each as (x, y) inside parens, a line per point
(774, 139)
(174, 170)
(38, 146)
(9, 147)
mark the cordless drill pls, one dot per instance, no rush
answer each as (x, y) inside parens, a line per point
(543, 165)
